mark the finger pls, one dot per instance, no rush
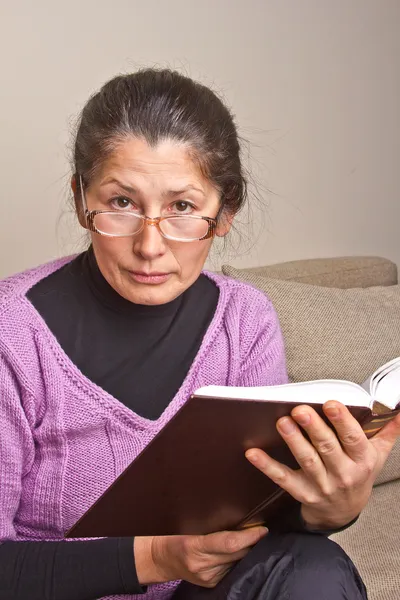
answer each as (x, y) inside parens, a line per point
(231, 543)
(293, 482)
(385, 439)
(322, 437)
(304, 452)
(348, 429)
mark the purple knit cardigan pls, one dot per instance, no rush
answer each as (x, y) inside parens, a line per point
(63, 439)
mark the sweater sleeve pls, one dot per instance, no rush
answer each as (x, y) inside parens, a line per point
(48, 569)
(76, 570)
(263, 359)
(16, 448)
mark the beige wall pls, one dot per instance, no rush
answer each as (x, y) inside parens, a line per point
(315, 85)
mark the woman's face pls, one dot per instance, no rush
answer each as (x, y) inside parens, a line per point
(157, 181)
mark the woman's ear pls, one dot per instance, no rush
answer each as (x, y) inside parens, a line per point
(78, 201)
(73, 184)
(224, 224)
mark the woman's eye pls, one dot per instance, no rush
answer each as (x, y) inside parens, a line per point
(182, 206)
(121, 202)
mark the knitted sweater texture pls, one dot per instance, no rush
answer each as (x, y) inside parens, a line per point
(64, 440)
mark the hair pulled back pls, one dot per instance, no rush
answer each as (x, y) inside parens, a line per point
(156, 105)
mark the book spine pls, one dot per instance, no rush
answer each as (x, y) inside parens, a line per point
(375, 422)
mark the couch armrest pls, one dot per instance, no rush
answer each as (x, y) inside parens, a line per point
(341, 272)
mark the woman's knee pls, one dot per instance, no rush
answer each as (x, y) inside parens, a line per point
(295, 566)
(299, 567)
(317, 567)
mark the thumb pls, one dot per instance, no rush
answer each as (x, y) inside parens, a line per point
(385, 439)
(229, 542)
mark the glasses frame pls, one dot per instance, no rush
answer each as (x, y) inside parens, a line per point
(152, 221)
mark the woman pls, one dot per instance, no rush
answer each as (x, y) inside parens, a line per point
(98, 352)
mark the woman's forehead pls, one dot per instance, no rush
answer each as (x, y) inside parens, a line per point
(135, 161)
(161, 172)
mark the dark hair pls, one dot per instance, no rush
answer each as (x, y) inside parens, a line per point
(163, 104)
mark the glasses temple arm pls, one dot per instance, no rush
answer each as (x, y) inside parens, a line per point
(83, 199)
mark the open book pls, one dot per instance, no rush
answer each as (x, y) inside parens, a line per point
(380, 393)
(194, 478)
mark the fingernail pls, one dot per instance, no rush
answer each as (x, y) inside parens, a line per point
(303, 418)
(286, 425)
(252, 456)
(262, 532)
(266, 530)
(332, 411)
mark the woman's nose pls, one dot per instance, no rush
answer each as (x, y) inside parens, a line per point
(149, 243)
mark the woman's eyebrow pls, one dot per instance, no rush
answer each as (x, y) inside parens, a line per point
(131, 190)
(188, 188)
(125, 187)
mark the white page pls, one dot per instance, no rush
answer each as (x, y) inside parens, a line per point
(370, 385)
(377, 378)
(388, 389)
(309, 392)
(392, 364)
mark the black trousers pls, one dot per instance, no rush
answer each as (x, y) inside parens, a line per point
(294, 566)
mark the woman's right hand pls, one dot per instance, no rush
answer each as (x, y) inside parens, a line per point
(199, 559)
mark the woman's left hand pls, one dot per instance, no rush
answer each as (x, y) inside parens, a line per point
(337, 471)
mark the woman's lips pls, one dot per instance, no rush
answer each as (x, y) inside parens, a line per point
(150, 278)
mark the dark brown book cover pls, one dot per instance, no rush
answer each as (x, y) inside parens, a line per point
(193, 478)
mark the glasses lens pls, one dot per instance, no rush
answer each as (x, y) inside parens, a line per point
(117, 223)
(184, 228)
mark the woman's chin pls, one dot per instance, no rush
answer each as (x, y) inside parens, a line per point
(151, 294)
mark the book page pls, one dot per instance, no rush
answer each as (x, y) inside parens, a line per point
(391, 364)
(309, 392)
(386, 389)
(387, 394)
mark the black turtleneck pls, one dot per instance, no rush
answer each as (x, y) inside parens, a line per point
(138, 354)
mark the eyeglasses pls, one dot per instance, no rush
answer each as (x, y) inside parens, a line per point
(180, 228)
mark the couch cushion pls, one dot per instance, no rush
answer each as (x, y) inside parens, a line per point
(330, 332)
(373, 543)
(342, 272)
(335, 333)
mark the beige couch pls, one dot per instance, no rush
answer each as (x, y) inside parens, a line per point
(341, 318)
